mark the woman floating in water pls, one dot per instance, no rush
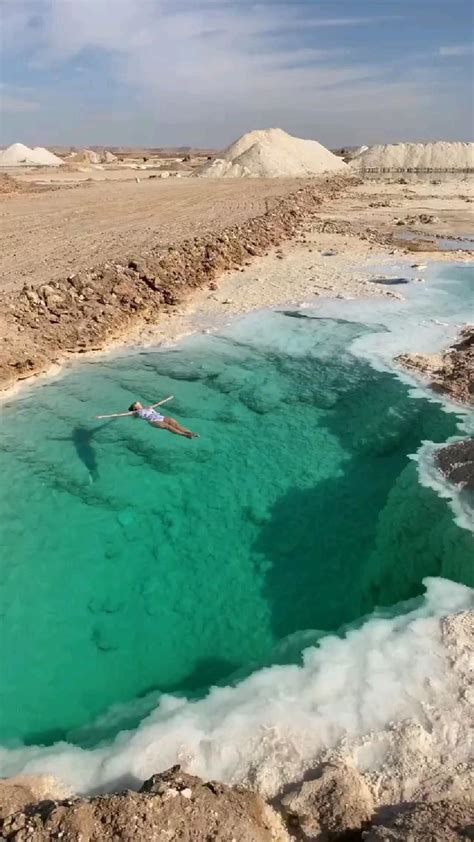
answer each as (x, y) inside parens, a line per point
(148, 413)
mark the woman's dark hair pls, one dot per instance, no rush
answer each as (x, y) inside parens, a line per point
(131, 408)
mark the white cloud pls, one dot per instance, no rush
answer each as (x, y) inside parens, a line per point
(457, 50)
(355, 21)
(201, 72)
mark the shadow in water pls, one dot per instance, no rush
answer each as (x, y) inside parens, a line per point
(319, 540)
(82, 438)
(83, 441)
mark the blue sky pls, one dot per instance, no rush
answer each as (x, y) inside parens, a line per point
(177, 72)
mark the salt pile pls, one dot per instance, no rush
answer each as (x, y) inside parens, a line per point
(18, 155)
(90, 156)
(359, 151)
(439, 155)
(272, 153)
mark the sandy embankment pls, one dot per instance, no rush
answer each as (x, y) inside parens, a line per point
(90, 309)
(168, 291)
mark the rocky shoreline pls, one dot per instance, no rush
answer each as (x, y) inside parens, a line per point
(456, 463)
(335, 804)
(451, 372)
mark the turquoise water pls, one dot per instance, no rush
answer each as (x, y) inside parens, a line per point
(137, 562)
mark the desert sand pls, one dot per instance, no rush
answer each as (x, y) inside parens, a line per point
(77, 226)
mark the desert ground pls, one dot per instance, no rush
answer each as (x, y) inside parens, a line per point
(85, 223)
(76, 226)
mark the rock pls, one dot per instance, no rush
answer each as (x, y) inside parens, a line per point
(441, 821)
(22, 790)
(452, 371)
(419, 244)
(337, 801)
(206, 811)
(456, 463)
(389, 281)
(32, 296)
(423, 219)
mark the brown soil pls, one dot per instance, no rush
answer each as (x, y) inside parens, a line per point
(70, 229)
(11, 187)
(443, 821)
(451, 372)
(170, 806)
(8, 185)
(90, 308)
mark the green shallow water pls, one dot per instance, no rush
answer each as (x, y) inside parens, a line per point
(136, 562)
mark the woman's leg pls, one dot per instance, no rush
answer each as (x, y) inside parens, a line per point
(172, 422)
(163, 425)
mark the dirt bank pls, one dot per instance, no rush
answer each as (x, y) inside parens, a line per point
(169, 806)
(95, 308)
(334, 804)
(91, 308)
(74, 226)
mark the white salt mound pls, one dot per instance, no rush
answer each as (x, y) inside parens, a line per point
(439, 155)
(272, 153)
(18, 155)
(90, 156)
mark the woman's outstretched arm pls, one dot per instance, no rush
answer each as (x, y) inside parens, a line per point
(165, 400)
(115, 415)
